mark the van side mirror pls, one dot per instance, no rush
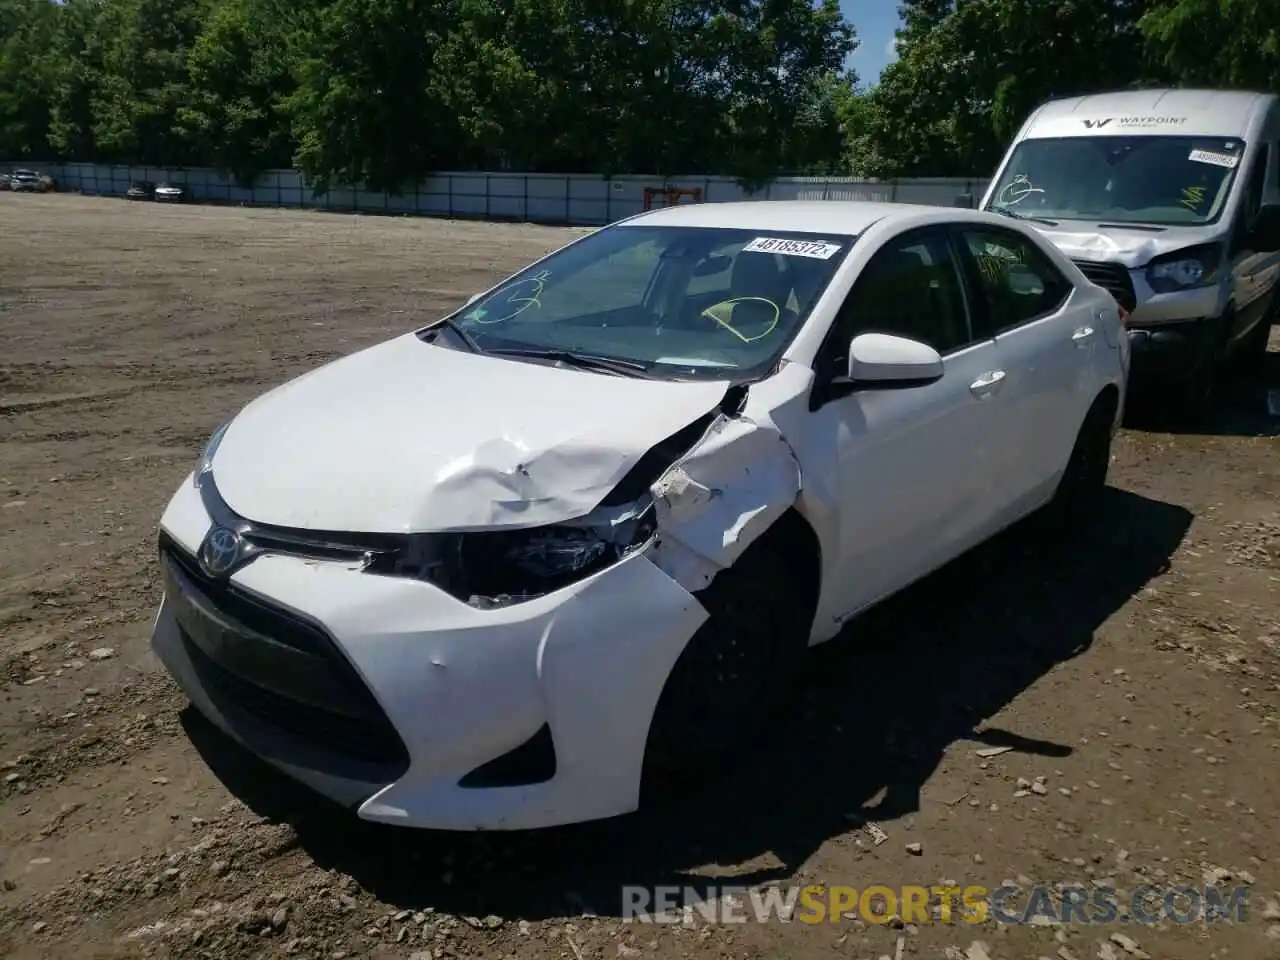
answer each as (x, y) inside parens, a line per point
(881, 359)
(965, 201)
(1264, 232)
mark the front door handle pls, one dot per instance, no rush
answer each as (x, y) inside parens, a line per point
(987, 384)
(1082, 336)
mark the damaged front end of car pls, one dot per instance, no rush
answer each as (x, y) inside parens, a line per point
(692, 504)
(498, 568)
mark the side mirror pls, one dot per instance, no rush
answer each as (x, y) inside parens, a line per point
(965, 200)
(881, 359)
(1264, 232)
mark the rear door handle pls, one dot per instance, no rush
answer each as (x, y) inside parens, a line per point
(1082, 336)
(987, 384)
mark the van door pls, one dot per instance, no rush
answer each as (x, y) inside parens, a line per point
(1253, 272)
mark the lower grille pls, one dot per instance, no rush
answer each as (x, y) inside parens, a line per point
(277, 666)
(369, 742)
(1112, 277)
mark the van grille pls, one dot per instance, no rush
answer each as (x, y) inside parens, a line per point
(1112, 277)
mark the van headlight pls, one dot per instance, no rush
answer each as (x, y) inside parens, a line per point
(500, 567)
(1185, 269)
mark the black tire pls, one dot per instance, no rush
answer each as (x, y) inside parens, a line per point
(735, 671)
(1195, 395)
(1075, 502)
(1253, 351)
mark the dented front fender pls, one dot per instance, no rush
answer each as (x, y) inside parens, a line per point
(720, 497)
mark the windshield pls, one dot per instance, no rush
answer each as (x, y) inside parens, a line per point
(681, 302)
(1140, 179)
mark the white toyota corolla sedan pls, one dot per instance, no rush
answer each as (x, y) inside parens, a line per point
(498, 572)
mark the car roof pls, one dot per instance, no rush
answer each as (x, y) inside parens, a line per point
(849, 217)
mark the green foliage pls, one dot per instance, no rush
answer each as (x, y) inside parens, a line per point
(970, 71)
(1223, 42)
(28, 74)
(383, 92)
(240, 70)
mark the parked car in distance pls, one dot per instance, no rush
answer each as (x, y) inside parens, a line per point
(696, 442)
(172, 193)
(140, 190)
(29, 181)
(4, 181)
(1169, 199)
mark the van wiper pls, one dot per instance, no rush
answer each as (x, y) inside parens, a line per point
(587, 361)
(1013, 215)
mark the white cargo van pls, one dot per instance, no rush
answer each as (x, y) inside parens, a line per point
(1170, 199)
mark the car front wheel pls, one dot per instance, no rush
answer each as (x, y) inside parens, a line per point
(738, 667)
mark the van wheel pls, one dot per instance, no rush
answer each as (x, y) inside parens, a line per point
(1079, 492)
(739, 666)
(1195, 396)
(1253, 352)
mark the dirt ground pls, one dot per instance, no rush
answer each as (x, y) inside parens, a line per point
(1138, 673)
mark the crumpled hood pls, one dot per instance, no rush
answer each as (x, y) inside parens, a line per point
(410, 437)
(1114, 243)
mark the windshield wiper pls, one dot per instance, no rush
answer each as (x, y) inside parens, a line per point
(587, 361)
(1014, 215)
(465, 337)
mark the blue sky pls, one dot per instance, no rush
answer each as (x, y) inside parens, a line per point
(875, 21)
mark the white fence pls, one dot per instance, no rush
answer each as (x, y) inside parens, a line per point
(536, 197)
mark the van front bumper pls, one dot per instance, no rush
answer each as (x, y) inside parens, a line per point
(1166, 352)
(394, 699)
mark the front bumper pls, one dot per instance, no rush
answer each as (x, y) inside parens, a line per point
(384, 693)
(1167, 352)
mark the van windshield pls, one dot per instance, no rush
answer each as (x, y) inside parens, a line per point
(1121, 179)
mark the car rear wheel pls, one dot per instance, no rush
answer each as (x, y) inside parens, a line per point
(739, 667)
(1079, 492)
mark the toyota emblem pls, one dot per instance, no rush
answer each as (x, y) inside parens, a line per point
(220, 551)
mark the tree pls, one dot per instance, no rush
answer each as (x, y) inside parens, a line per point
(384, 92)
(364, 111)
(240, 74)
(969, 73)
(77, 69)
(28, 72)
(1217, 43)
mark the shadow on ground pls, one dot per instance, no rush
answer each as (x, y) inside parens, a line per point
(1240, 407)
(879, 707)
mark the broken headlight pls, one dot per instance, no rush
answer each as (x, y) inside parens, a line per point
(499, 567)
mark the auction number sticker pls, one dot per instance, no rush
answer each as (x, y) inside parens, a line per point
(1229, 160)
(794, 248)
